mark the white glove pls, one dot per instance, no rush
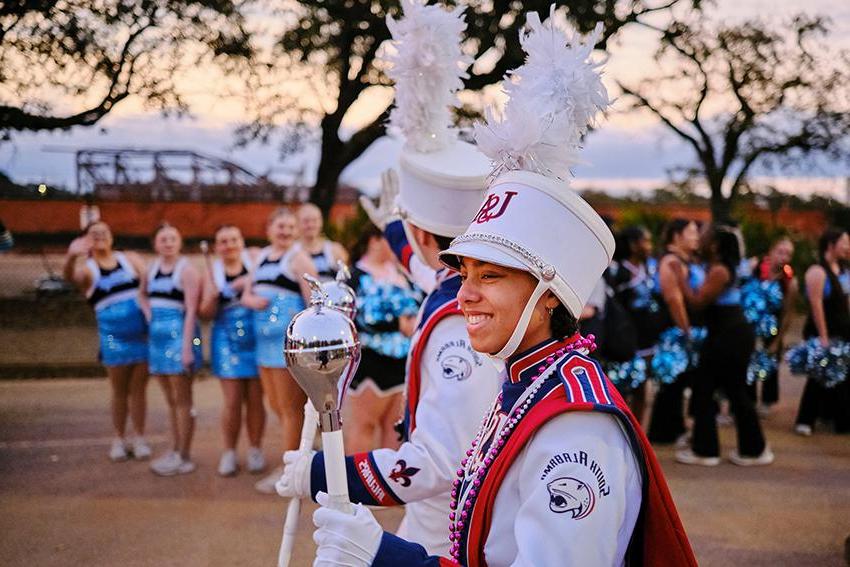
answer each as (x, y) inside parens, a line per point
(345, 539)
(385, 211)
(295, 480)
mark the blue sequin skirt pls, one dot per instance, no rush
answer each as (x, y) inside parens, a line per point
(165, 345)
(270, 327)
(123, 331)
(234, 344)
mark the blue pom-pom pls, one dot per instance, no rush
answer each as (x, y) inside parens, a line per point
(676, 353)
(826, 365)
(762, 304)
(627, 375)
(762, 366)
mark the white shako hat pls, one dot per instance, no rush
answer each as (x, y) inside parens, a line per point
(441, 179)
(530, 218)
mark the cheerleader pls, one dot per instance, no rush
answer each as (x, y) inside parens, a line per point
(173, 289)
(772, 272)
(277, 292)
(677, 264)
(386, 318)
(828, 321)
(559, 472)
(234, 348)
(324, 253)
(724, 358)
(110, 282)
(632, 283)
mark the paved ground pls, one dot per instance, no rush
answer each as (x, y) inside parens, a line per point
(64, 504)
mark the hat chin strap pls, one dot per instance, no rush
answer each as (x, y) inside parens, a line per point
(522, 325)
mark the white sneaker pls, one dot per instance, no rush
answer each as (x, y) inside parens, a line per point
(227, 465)
(688, 457)
(168, 464)
(140, 449)
(765, 458)
(803, 429)
(118, 451)
(256, 461)
(267, 484)
(683, 441)
(186, 466)
(724, 420)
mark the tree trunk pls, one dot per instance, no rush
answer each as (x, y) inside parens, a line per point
(721, 207)
(323, 192)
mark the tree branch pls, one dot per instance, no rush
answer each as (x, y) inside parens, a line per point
(644, 102)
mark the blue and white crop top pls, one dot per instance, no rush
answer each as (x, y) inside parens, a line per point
(111, 285)
(165, 290)
(322, 260)
(275, 275)
(227, 296)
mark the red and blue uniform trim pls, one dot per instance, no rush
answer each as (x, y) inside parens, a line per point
(366, 484)
(579, 385)
(397, 239)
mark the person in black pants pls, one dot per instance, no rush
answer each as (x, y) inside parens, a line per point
(633, 282)
(828, 320)
(676, 268)
(724, 359)
(776, 267)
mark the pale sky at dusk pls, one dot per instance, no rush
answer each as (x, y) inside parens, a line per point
(624, 147)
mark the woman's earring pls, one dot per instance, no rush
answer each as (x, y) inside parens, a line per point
(550, 310)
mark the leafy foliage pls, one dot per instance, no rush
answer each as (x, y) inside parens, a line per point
(331, 48)
(98, 53)
(786, 88)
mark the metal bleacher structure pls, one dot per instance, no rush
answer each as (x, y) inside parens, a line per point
(125, 174)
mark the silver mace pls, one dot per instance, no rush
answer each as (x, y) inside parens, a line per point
(322, 351)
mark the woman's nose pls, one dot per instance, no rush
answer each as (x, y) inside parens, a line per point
(467, 292)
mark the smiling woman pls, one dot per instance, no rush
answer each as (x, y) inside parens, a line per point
(558, 452)
(492, 299)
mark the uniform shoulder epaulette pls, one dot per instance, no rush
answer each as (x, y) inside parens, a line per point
(584, 380)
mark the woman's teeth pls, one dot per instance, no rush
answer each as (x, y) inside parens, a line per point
(475, 319)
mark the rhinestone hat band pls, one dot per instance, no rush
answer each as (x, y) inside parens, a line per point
(547, 271)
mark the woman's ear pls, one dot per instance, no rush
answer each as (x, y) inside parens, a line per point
(551, 300)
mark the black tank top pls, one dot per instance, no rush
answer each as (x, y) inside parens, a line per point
(835, 308)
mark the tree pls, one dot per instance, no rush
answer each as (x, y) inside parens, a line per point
(330, 48)
(98, 53)
(748, 95)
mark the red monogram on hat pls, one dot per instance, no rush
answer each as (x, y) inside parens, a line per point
(492, 204)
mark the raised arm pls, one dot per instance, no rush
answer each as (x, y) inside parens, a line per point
(716, 280)
(81, 278)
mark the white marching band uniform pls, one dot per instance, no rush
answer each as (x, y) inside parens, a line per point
(560, 472)
(449, 386)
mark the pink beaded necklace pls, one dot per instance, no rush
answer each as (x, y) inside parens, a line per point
(458, 518)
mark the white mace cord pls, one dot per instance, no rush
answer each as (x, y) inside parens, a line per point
(428, 67)
(554, 97)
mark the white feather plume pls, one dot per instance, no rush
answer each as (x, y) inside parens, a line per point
(554, 97)
(428, 67)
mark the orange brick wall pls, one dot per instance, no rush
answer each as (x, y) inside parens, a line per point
(195, 220)
(199, 220)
